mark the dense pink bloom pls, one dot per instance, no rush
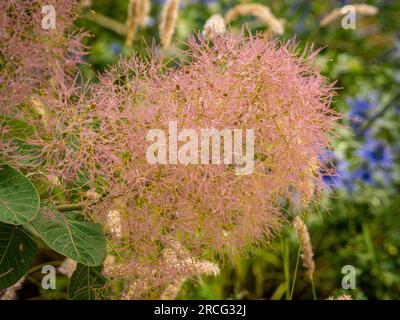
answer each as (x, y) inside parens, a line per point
(96, 138)
(31, 55)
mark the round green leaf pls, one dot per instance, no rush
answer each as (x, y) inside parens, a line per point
(19, 200)
(81, 241)
(87, 283)
(17, 251)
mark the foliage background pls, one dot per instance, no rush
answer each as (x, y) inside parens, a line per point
(357, 223)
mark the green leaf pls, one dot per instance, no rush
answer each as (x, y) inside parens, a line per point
(17, 132)
(81, 241)
(16, 128)
(19, 200)
(17, 251)
(87, 283)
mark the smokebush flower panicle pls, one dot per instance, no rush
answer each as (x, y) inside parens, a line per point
(32, 55)
(99, 133)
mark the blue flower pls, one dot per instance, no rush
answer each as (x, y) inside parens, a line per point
(364, 174)
(341, 179)
(116, 48)
(377, 153)
(359, 111)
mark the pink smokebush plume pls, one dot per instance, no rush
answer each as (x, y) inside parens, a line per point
(96, 139)
(30, 55)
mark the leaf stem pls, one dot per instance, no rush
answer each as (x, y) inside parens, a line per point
(69, 206)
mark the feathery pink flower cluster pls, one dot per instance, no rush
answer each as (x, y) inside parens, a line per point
(96, 136)
(31, 55)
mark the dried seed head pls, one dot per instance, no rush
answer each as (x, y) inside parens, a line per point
(169, 16)
(261, 12)
(114, 223)
(305, 246)
(133, 21)
(11, 292)
(110, 268)
(68, 267)
(144, 11)
(215, 25)
(186, 267)
(361, 9)
(172, 290)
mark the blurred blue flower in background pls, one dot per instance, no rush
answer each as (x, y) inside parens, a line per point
(377, 153)
(364, 174)
(360, 109)
(377, 156)
(116, 48)
(341, 179)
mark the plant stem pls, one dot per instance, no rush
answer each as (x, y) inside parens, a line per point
(379, 114)
(295, 272)
(69, 206)
(313, 288)
(286, 266)
(107, 23)
(38, 267)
